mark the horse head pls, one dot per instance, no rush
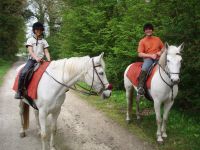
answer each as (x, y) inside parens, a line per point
(170, 61)
(96, 77)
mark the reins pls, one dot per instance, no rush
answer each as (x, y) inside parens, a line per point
(168, 74)
(171, 86)
(75, 89)
(87, 91)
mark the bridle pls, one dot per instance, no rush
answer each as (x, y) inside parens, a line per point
(87, 91)
(168, 73)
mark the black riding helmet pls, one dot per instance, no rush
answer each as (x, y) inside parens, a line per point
(38, 25)
(148, 26)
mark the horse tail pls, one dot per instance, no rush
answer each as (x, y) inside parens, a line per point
(25, 115)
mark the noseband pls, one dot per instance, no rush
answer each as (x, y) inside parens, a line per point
(95, 71)
(168, 73)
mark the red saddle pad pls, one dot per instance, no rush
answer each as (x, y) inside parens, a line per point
(134, 72)
(32, 87)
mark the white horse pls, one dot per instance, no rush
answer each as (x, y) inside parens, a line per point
(59, 77)
(163, 88)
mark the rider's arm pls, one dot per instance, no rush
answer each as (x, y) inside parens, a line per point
(46, 52)
(160, 52)
(30, 50)
(144, 55)
(161, 48)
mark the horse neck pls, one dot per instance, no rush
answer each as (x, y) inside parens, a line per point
(162, 60)
(161, 69)
(74, 69)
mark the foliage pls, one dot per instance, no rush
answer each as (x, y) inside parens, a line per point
(12, 27)
(115, 27)
(183, 129)
(4, 66)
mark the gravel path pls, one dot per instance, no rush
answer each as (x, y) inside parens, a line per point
(80, 126)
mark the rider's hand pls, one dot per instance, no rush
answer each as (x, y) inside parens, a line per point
(153, 56)
(38, 59)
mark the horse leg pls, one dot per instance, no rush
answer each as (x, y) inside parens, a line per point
(129, 98)
(167, 106)
(53, 129)
(43, 120)
(138, 106)
(157, 105)
(37, 121)
(21, 112)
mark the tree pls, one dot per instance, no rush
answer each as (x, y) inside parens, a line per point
(115, 27)
(12, 27)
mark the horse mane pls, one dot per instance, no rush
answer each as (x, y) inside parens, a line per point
(163, 57)
(74, 65)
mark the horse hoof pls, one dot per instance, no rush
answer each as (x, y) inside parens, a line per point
(128, 121)
(39, 134)
(53, 148)
(138, 117)
(22, 134)
(160, 142)
(164, 135)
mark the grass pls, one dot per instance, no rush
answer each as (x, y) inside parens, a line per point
(183, 130)
(4, 66)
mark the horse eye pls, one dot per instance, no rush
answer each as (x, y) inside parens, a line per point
(101, 73)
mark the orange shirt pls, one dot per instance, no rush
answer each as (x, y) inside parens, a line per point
(150, 45)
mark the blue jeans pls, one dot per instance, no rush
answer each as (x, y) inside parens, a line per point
(29, 64)
(147, 64)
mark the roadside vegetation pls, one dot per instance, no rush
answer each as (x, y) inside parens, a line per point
(183, 129)
(4, 66)
(88, 27)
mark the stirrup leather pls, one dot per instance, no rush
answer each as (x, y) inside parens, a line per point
(141, 91)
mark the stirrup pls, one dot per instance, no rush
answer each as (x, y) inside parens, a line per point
(140, 91)
(18, 96)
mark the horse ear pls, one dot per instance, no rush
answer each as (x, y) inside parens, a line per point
(166, 45)
(99, 58)
(101, 55)
(181, 46)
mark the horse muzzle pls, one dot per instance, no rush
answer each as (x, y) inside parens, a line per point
(106, 93)
(175, 81)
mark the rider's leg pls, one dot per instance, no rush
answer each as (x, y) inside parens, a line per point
(30, 63)
(145, 67)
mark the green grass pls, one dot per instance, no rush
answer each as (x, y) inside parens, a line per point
(183, 130)
(4, 66)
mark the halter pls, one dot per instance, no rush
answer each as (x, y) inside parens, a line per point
(88, 92)
(168, 73)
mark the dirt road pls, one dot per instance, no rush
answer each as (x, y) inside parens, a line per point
(80, 126)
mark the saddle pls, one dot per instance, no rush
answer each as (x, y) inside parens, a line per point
(133, 75)
(27, 80)
(29, 76)
(31, 82)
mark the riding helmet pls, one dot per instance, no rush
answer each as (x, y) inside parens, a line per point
(148, 26)
(38, 25)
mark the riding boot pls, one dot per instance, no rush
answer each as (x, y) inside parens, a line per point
(141, 83)
(19, 93)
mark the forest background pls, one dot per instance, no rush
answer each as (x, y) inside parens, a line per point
(89, 27)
